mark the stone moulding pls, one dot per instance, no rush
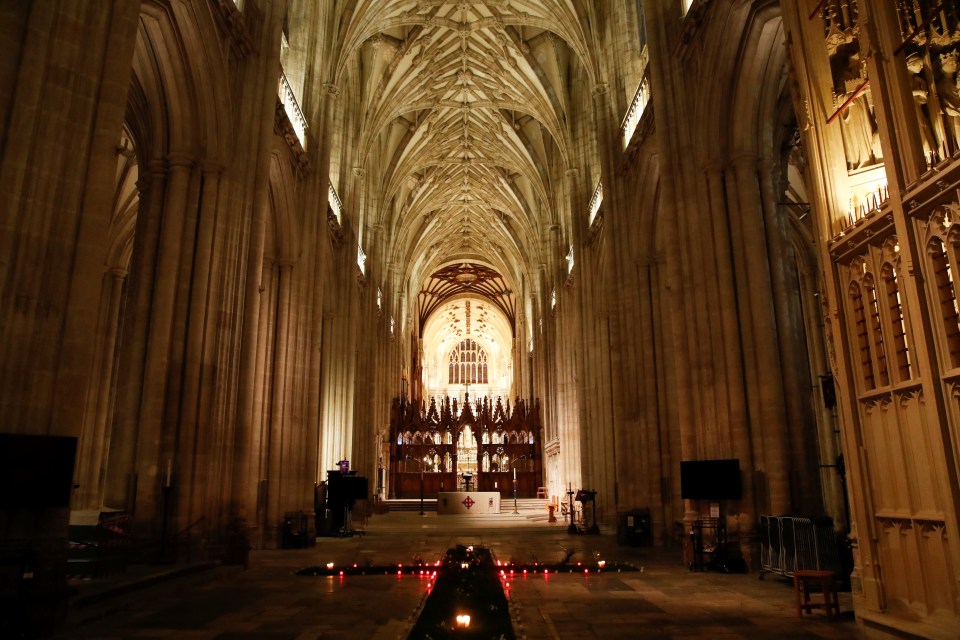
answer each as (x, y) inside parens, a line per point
(240, 26)
(284, 128)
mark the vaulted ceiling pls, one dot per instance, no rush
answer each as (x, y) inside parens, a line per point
(465, 130)
(465, 125)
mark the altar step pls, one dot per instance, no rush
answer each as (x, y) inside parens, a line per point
(532, 508)
(429, 504)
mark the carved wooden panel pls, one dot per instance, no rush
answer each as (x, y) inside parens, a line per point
(885, 464)
(939, 573)
(921, 462)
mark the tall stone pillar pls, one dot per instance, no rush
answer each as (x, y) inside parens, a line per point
(95, 436)
(57, 170)
(763, 353)
(198, 434)
(121, 472)
(154, 442)
(262, 75)
(278, 429)
(734, 434)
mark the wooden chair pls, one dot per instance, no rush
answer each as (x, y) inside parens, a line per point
(542, 492)
(826, 582)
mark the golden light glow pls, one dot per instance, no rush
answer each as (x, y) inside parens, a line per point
(463, 620)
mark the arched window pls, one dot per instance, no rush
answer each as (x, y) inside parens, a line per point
(876, 333)
(895, 308)
(947, 297)
(862, 338)
(467, 364)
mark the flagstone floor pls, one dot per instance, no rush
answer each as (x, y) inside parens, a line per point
(268, 601)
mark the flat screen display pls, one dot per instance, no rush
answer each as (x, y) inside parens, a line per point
(710, 479)
(36, 471)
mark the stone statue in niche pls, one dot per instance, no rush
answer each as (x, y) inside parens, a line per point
(861, 142)
(841, 32)
(949, 98)
(931, 149)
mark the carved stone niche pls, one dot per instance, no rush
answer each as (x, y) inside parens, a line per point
(852, 99)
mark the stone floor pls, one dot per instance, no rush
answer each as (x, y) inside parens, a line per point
(268, 601)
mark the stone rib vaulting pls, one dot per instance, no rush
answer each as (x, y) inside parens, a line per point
(242, 241)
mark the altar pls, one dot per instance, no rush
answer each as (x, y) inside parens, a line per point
(468, 502)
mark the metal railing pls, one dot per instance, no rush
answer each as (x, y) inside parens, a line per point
(789, 544)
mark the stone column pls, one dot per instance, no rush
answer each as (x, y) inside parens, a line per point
(794, 362)
(154, 411)
(278, 427)
(121, 473)
(199, 436)
(733, 425)
(768, 436)
(262, 78)
(95, 437)
(61, 114)
(260, 418)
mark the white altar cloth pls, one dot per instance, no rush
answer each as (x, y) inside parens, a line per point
(468, 502)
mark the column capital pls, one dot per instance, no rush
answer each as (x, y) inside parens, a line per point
(212, 167)
(154, 166)
(745, 160)
(572, 173)
(332, 89)
(143, 183)
(714, 165)
(180, 159)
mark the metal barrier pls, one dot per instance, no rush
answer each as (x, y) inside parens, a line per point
(789, 544)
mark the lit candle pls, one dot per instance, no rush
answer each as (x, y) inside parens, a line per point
(514, 473)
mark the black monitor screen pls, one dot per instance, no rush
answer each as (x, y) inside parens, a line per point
(710, 479)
